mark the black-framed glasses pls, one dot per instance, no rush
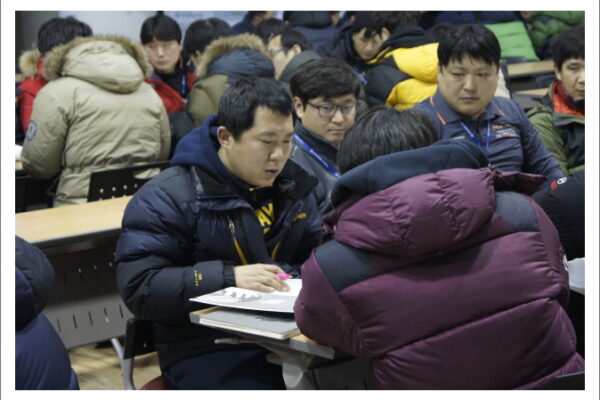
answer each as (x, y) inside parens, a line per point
(328, 111)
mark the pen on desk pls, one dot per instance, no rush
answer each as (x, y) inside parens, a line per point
(284, 276)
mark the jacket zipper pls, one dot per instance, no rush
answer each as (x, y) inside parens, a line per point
(238, 248)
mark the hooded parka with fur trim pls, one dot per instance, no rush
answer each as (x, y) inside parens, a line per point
(95, 113)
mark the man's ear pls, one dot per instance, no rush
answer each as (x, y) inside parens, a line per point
(298, 107)
(385, 34)
(557, 72)
(224, 136)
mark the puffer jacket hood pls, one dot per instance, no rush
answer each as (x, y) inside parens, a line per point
(220, 47)
(82, 58)
(28, 63)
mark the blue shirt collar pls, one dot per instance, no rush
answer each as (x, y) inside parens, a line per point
(448, 115)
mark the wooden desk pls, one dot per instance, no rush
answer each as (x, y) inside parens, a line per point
(305, 363)
(71, 223)
(533, 93)
(530, 68)
(79, 240)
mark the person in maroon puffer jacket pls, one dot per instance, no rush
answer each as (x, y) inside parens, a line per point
(441, 270)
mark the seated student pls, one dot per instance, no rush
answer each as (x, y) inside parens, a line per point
(289, 50)
(325, 99)
(88, 119)
(545, 26)
(200, 34)
(560, 119)
(269, 28)
(232, 211)
(356, 43)
(405, 70)
(161, 37)
(437, 268)
(41, 359)
(464, 106)
(225, 60)
(250, 21)
(52, 33)
(317, 26)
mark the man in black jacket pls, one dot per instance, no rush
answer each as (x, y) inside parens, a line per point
(232, 211)
(325, 99)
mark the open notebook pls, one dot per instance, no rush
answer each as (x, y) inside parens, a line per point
(234, 297)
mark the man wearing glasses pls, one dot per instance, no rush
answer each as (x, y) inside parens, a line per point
(325, 94)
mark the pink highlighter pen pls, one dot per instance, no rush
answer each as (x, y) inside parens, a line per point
(284, 276)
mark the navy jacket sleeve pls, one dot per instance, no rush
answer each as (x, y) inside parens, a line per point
(156, 272)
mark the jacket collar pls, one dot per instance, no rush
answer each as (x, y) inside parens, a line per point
(320, 145)
(296, 63)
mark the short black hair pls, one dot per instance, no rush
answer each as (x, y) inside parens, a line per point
(252, 14)
(569, 44)
(383, 130)
(290, 37)
(237, 107)
(470, 40)
(161, 27)
(327, 77)
(362, 20)
(57, 31)
(269, 28)
(394, 20)
(203, 31)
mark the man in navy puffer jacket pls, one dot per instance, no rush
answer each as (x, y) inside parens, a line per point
(232, 211)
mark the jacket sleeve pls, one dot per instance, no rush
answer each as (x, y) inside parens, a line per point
(25, 108)
(165, 135)
(156, 270)
(321, 315)
(45, 138)
(550, 136)
(536, 156)
(200, 104)
(34, 281)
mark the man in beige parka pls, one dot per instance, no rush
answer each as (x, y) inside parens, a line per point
(95, 113)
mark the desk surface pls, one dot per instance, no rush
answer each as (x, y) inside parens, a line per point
(62, 223)
(530, 68)
(535, 93)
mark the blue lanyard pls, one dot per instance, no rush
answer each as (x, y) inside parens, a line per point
(317, 157)
(183, 90)
(475, 139)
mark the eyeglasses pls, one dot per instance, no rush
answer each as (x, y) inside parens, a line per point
(165, 46)
(328, 111)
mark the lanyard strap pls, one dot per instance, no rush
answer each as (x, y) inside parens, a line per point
(317, 157)
(475, 139)
(183, 90)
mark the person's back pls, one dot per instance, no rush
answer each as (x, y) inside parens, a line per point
(430, 257)
(41, 359)
(317, 26)
(545, 26)
(224, 61)
(95, 113)
(560, 119)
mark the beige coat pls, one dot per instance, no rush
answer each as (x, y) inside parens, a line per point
(95, 113)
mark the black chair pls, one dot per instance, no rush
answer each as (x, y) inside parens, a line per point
(119, 182)
(574, 381)
(139, 340)
(21, 191)
(513, 59)
(543, 81)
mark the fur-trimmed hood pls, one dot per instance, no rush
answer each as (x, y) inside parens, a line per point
(112, 62)
(226, 45)
(28, 63)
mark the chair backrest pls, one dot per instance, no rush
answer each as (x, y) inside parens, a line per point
(575, 381)
(119, 182)
(21, 190)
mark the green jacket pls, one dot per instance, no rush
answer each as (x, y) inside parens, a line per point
(546, 25)
(563, 134)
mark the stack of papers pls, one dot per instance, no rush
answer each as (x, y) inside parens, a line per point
(234, 297)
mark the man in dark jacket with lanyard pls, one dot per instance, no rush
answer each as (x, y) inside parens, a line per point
(325, 98)
(464, 106)
(232, 211)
